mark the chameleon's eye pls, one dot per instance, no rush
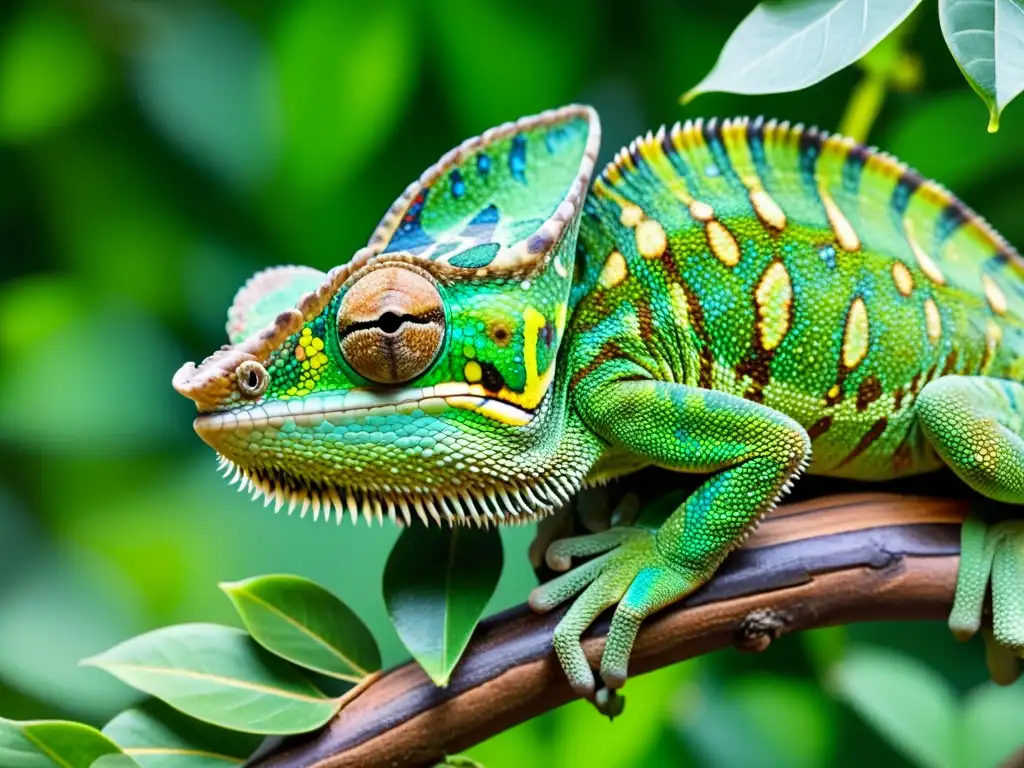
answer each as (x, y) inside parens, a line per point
(391, 324)
(252, 379)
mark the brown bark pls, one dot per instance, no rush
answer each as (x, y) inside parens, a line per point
(831, 560)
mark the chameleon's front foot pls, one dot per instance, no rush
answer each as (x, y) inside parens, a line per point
(992, 553)
(632, 573)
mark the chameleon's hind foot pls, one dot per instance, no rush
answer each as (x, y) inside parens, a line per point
(630, 572)
(992, 554)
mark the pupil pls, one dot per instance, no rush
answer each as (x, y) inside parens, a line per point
(389, 322)
(254, 380)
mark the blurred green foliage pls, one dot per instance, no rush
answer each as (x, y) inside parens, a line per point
(156, 154)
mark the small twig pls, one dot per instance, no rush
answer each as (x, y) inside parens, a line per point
(832, 560)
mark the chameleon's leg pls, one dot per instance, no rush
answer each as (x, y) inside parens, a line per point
(975, 424)
(754, 452)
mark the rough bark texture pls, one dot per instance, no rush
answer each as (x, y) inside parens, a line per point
(826, 561)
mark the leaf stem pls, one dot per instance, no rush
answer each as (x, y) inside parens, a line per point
(886, 66)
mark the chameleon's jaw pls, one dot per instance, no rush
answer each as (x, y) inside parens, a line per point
(342, 409)
(342, 452)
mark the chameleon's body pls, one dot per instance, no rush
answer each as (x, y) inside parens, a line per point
(737, 293)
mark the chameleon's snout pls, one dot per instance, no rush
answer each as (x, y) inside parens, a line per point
(224, 378)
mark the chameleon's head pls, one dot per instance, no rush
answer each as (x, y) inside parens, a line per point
(419, 377)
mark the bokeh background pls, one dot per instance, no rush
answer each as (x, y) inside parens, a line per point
(153, 155)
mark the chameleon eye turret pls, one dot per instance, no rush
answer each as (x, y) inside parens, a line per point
(252, 379)
(391, 324)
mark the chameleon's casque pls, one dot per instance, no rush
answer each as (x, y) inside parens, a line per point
(744, 299)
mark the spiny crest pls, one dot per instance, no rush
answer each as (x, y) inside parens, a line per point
(480, 506)
(780, 172)
(500, 202)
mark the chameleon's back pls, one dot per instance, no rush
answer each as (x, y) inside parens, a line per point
(806, 272)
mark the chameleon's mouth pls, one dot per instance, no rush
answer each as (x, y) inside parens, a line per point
(487, 500)
(357, 405)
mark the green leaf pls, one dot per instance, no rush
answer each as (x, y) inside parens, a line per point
(157, 736)
(786, 46)
(991, 725)
(50, 71)
(986, 37)
(343, 71)
(219, 675)
(907, 703)
(437, 582)
(51, 744)
(201, 77)
(304, 623)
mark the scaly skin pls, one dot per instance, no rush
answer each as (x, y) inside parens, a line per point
(744, 300)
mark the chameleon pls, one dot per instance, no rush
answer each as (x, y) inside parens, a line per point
(743, 300)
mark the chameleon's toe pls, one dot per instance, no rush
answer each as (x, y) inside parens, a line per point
(1008, 585)
(976, 551)
(561, 553)
(655, 585)
(635, 575)
(603, 593)
(992, 554)
(1004, 665)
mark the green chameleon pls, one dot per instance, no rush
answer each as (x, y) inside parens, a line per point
(726, 297)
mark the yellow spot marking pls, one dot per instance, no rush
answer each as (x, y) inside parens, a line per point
(767, 210)
(774, 297)
(833, 392)
(855, 337)
(473, 372)
(924, 261)
(845, 235)
(650, 239)
(994, 294)
(902, 277)
(701, 211)
(614, 271)
(318, 344)
(932, 320)
(722, 243)
(631, 215)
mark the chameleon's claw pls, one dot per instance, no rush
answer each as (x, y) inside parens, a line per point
(609, 702)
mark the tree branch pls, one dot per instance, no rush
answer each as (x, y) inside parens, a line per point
(831, 560)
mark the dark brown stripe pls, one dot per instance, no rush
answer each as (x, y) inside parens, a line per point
(865, 442)
(820, 427)
(869, 391)
(950, 364)
(608, 351)
(897, 398)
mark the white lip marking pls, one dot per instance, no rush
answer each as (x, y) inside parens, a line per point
(313, 410)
